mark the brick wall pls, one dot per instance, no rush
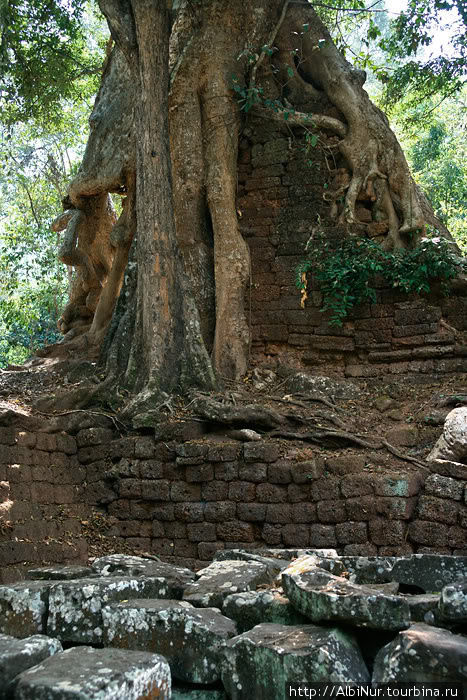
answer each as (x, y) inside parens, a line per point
(280, 199)
(66, 494)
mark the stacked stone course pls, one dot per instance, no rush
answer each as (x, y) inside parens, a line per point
(280, 201)
(185, 501)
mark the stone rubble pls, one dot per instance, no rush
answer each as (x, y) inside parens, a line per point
(231, 631)
(17, 655)
(84, 673)
(191, 639)
(452, 445)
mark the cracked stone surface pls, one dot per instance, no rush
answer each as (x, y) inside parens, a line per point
(59, 573)
(222, 578)
(453, 602)
(323, 597)
(17, 655)
(176, 577)
(84, 673)
(422, 653)
(191, 639)
(254, 607)
(75, 607)
(23, 608)
(430, 572)
(423, 608)
(259, 662)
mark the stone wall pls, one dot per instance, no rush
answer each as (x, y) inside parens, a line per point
(280, 201)
(67, 495)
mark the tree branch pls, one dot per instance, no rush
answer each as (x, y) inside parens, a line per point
(294, 118)
(119, 16)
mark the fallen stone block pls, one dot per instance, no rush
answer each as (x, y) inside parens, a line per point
(83, 673)
(254, 607)
(369, 569)
(309, 562)
(176, 577)
(322, 597)
(75, 607)
(23, 608)
(275, 565)
(452, 445)
(424, 607)
(429, 572)
(59, 573)
(422, 653)
(258, 663)
(180, 693)
(453, 602)
(17, 655)
(191, 639)
(221, 578)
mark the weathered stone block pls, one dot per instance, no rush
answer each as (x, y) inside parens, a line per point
(288, 654)
(387, 532)
(398, 484)
(251, 512)
(331, 511)
(189, 512)
(323, 597)
(75, 607)
(93, 436)
(428, 533)
(192, 640)
(221, 578)
(255, 472)
(223, 452)
(84, 673)
(431, 572)
(422, 653)
(444, 487)
(181, 491)
(254, 607)
(453, 602)
(201, 532)
(235, 531)
(241, 491)
(227, 471)
(23, 608)
(279, 473)
(297, 536)
(17, 655)
(59, 573)
(271, 493)
(220, 512)
(438, 509)
(351, 533)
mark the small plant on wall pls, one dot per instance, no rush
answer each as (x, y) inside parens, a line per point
(345, 268)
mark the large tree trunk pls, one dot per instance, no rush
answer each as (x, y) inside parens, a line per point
(187, 239)
(167, 352)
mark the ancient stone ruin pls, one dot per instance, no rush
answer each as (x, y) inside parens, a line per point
(244, 627)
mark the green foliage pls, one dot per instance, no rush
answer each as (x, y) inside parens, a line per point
(36, 165)
(441, 73)
(436, 150)
(345, 268)
(28, 319)
(47, 55)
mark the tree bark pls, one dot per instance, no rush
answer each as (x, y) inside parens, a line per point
(167, 352)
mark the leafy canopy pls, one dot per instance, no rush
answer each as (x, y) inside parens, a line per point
(46, 54)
